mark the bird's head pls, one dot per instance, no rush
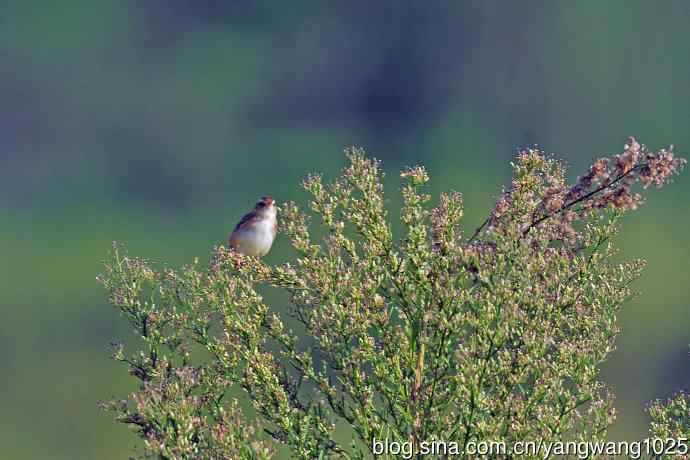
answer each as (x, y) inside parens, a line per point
(266, 206)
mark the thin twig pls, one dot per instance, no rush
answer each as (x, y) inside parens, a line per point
(583, 198)
(479, 229)
(565, 207)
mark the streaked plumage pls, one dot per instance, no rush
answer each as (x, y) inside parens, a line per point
(255, 232)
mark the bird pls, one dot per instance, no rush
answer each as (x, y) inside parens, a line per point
(255, 232)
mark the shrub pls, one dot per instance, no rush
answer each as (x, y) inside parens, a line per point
(671, 421)
(435, 336)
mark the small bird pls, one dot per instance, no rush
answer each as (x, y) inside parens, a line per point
(255, 232)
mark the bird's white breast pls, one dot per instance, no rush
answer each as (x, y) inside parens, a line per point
(257, 240)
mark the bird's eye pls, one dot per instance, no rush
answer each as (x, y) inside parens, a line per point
(261, 204)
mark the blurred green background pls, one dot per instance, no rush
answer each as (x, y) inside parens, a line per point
(158, 124)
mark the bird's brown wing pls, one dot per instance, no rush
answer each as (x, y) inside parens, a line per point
(246, 219)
